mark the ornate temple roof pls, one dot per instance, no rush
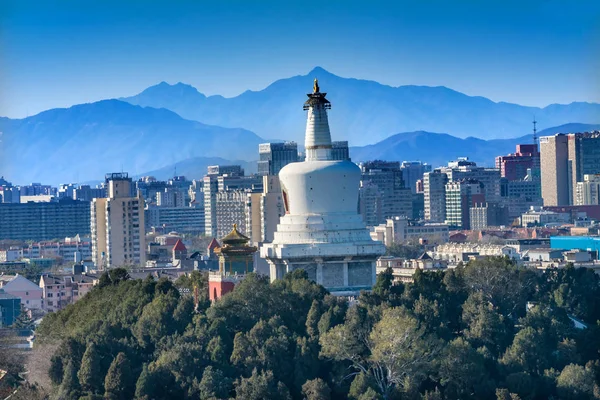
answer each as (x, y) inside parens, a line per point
(235, 238)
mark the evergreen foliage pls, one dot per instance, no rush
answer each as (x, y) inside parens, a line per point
(486, 330)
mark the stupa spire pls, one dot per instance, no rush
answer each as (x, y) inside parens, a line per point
(317, 139)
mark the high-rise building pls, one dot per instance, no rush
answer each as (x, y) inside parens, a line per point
(434, 190)
(44, 220)
(394, 199)
(321, 231)
(460, 197)
(413, 171)
(484, 215)
(463, 169)
(588, 191)
(178, 219)
(271, 207)
(274, 156)
(229, 207)
(514, 166)
(340, 150)
(117, 225)
(554, 160)
(584, 158)
(172, 197)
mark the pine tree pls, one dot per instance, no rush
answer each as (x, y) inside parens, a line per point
(90, 374)
(143, 386)
(118, 381)
(69, 388)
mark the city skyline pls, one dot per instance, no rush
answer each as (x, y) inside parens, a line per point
(71, 53)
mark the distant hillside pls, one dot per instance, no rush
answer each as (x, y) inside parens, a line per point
(439, 148)
(84, 142)
(363, 112)
(195, 168)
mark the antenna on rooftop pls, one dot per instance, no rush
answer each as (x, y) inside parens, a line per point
(534, 131)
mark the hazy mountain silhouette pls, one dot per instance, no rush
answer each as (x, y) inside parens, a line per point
(84, 142)
(363, 112)
(439, 148)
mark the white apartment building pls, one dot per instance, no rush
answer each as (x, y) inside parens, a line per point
(117, 225)
(588, 191)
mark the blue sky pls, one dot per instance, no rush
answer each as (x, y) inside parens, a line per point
(60, 53)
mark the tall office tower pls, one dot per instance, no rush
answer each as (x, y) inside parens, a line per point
(519, 196)
(340, 150)
(370, 203)
(172, 197)
(514, 166)
(210, 189)
(554, 158)
(66, 190)
(462, 169)
(434, 190)
(588, 191)
(234, 207)
(117, 225)
(148, 187)
(484, 215)
(87, 193)
(460, 197)
(412, 171)
(584, 158)
(396, 199)
(232, 180)
(321, 231)
(271, 207)
(274, 156)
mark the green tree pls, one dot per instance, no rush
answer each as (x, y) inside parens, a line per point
(118, 384)
(316, 389)
(214, 384)
(484, 326)
(261, 386)
(575, 382)
(528, 352)
(69, 388)
(462, 371)
(399, 350)
(91, 373)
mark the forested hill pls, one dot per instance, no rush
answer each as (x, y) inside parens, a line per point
(460, 334)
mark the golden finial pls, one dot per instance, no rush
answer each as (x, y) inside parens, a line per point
(316, 86)
(235, 227)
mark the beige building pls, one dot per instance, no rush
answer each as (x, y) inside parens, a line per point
(555, 176)
(58, 291)
(271, 207)
(434, 189)
(588, 191)
(117, 225)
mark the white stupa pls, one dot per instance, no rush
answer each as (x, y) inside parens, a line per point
(321, 231)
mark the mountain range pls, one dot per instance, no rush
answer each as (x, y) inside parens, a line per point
(439, 148)
(86, 141)
(168, 126)
(363, 112)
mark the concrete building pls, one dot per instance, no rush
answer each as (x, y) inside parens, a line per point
(434, 189)
(221, 179)
(58, 291)
(537, 216)
(463, 252)
(514, 166)
(70, 249)
(588, 191)
(179, 219)
(28, 292)
(390, 198)
(13, 253)
(271, 207)
(403, 270)
(565, 160)
(400, 230)
(463, 169)
(584, 158)
(321, 231)
(460, 197)
(117, 225)
(413, 171)
(172, 197)
(87, 193)
(44, 220)
(484, 215)
(274, 156)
